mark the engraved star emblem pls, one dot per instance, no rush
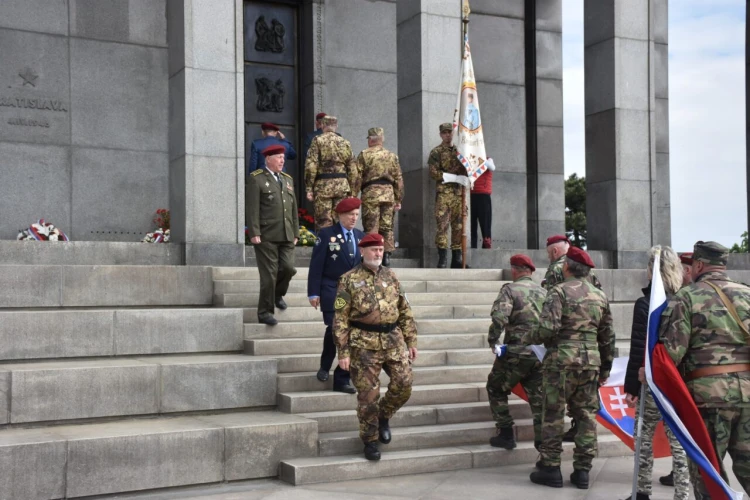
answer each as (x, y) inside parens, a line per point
(334, 256)
(28, 76)
(267, 184)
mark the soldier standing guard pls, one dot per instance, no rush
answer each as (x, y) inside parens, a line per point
(515, 312)
(374, 329)
(576, 328)
(382, 189)
(449, 208)
(273, 227)
(330, 172)
(705, 330)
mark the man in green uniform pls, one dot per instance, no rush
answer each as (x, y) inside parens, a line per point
(330, 172)
(374, 329)
(273, 227)
(705, 331)
(449, 208)
(576, 328)
(515, 312)
(382, 189)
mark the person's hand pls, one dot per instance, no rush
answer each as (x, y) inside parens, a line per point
(344, 364)
(309, 196)
(315, 302)
(642, 375)
(295, 240)
(602, 381)
(412, 353)
(397, 207)
(631, 400)
(255, 240)
(280, 135)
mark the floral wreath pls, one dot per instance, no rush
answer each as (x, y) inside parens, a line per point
(42, 231)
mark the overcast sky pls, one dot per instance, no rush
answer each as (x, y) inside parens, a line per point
(707, 115)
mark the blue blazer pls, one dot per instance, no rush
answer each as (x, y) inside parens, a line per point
(330, 259)
(257, 160)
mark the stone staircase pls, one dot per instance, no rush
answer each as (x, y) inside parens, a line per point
(445, 425)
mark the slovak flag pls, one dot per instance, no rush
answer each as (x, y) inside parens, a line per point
(675, 402)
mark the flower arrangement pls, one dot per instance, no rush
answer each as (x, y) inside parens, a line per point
(306, 220)
(306, 238)
(161, 235)
(42, 231)
(162, 218)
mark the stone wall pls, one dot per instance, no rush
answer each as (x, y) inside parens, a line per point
(83, 116)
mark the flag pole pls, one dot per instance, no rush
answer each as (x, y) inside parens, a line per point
(465, 10)
(639, 424)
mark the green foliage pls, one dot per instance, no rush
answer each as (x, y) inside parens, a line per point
(575, 210)
(742, 247)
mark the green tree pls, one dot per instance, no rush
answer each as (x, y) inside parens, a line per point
(575, 210)
(742, 247)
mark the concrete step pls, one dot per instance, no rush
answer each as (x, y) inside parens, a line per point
(419, 274)
(415, 299)
(317, 401)
(142, 454)
(84, 389)
(423, 375)
(299, 285)
(304, 262)
(395, 463)
(316, 328)
(294, 314)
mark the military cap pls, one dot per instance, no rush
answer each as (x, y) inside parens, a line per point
(687, 258)
(372, 240)
(446, 127)
(330, 120)
(375, 132)
(269, 126)
(577, 255)
(557, 239)
(522, 261)
(274, 149)
(320, 116)
(711, 252)
(347, 205)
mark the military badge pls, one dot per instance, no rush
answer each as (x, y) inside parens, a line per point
(333, 239)
(317, 241)
(340, 303)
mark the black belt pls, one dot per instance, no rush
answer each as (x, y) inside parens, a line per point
(387, 328)
(376, 181)
(330, 176)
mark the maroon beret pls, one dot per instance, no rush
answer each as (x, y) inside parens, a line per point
(522, 260)
(557, 239)
(274, 149)
(269, 126)
(320, 116)
(687, 258)
(372, 240)
(578, 255)
(347, 205)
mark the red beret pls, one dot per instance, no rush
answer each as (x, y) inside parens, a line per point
(372, 240)
(578, 255)
(269, 126)
(320, 116)
(557, 239)
(522, 260)
(274, 149)
(687, 258)
(347, 205)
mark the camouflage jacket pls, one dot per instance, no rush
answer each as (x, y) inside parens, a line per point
(372, 298)
(576, 328)
(375, 164)
(698, 331)
(554, 275)
(516, 312)
(443, 159)
(330, 153)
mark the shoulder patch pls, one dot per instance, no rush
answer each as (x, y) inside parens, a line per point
(340, 303)
(257, 172)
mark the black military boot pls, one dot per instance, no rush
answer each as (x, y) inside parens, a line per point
(504, 439)
(442, 258)
(570, 436)
(387, 259)
(457, 261)
(547, 476)
(384, 431)
(580, 478)
(372, 452)
(667, 480)
(639, 496)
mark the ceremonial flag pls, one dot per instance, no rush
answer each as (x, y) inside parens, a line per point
(675, 402)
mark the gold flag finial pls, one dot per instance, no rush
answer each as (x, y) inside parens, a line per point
(465, 10)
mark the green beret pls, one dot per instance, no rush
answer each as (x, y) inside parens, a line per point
(446, 127)
(711, 252)
(375, 132)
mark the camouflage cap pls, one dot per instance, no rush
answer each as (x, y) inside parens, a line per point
(446, 127)
(711, 252)
(329, 120)
(375, 132)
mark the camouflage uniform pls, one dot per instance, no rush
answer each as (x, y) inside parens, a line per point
(516, 311)
(448, 202)
(330, 174)
(576, 328)
(554, 275)
(651, 418)
(375, 298)
(698, 332)
(382, 187)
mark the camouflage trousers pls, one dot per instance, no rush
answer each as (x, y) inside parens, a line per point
(325, 215)
(449, 211)
(507, 372)
(651, 418)
(580, 390)
(729, 429)
(365, 373)
(377, 217)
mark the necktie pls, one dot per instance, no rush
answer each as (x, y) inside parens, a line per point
(281, 184)
(350, 242)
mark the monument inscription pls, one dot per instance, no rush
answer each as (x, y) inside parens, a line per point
(20, 103)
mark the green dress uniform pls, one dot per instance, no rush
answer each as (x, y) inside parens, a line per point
(272, 214)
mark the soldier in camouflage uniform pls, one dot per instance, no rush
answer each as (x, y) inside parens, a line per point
(449, 209)
(712, 351)
(330, 172)
(374, 329)
(382, 189)
(576, 328)
(515, 312)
